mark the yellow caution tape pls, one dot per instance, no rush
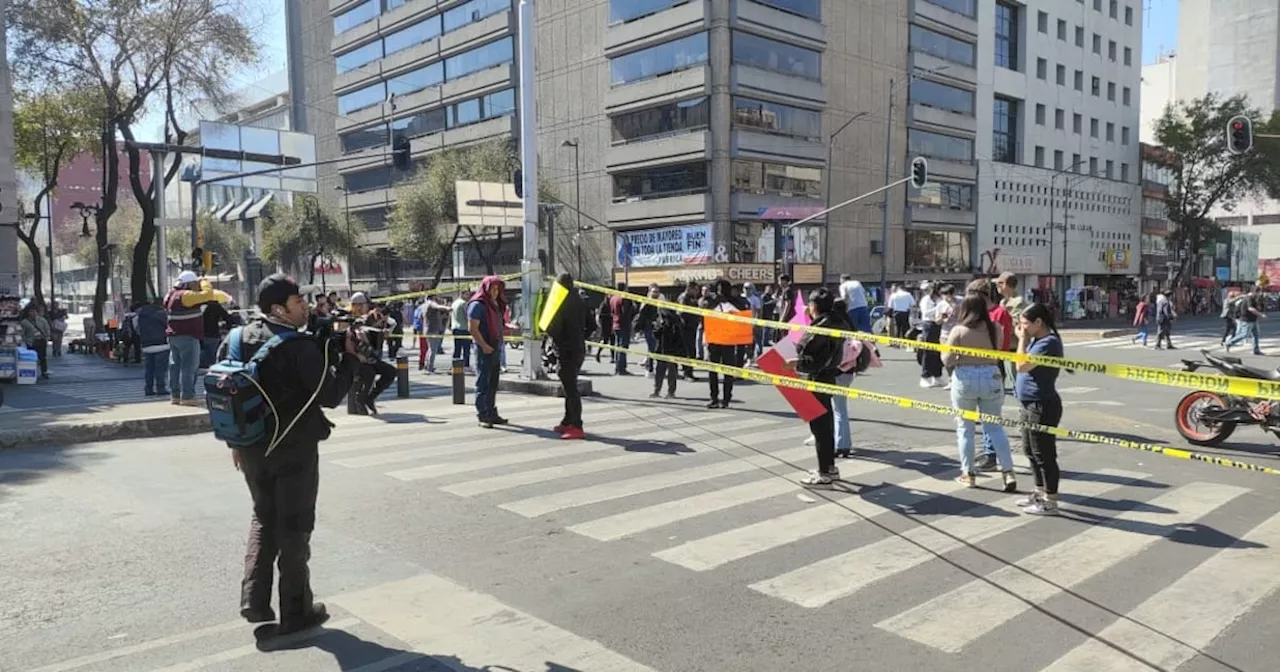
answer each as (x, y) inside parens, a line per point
(1243, 387)
(940, 409)
(443, 289)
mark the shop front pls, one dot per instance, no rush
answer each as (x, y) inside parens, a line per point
(678, 276)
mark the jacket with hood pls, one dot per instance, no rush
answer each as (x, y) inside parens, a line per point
(492, 325)
(152, 323)
(568, 328)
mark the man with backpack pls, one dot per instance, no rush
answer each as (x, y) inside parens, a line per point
(278, 449)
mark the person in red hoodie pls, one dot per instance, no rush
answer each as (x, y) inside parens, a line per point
(485, 324)
(1000, 316)
(623, 311)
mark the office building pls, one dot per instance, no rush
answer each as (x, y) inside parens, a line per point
(687, 130)
(1159, 90)
(8, 179)
(1229, 47)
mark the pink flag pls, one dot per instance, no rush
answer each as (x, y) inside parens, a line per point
(801, 318)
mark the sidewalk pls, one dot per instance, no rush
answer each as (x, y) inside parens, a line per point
(1078, 330)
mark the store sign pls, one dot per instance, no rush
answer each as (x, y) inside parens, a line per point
(1117, 259)
(328, 268)
(668, 246)
(758, 274)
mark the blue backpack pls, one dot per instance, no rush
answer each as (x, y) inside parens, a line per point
(240, 411)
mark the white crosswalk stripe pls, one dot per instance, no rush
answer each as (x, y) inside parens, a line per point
(733, 477)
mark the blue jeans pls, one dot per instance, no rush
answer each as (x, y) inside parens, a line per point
(840, 409)
(1243, 331)
(861, 319)
(462, 346)
(486, 384)
(650, 344)
(1142, 333)
(154, 367)
(622, 339)
(979, 388)
(184, 359)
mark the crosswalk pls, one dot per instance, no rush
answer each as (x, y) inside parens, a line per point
(708, 491)
(1190, 342)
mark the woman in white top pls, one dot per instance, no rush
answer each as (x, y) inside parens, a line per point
(930, 332)
(948, 312)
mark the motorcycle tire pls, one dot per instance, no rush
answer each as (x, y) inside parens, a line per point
(1195, 432)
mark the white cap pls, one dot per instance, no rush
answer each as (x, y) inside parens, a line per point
(359, 297)
(186, 277)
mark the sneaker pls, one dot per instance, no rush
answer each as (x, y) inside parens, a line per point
(373, 408)
(653, 395)
(715, 403)
(499, 420)
(671, 395)
(816, 477)
(810, 441)
(193, 403)
(987, 463)
(560, 429)
(573, 434)
(1042, 507)
(319, 614)
(486, 423)
(844, 452)
(258, 614)
(1028, 500)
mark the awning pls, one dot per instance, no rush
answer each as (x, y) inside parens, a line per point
(255, 210)
(221, 213)
(237, 212)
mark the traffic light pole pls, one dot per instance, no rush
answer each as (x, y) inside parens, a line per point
(531, 281)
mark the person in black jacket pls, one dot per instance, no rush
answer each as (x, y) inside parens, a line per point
(284, 483)
(668, 339)
(819, 360)
(568, 331)
(690, 297)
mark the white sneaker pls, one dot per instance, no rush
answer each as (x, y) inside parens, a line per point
(926, 383)
(810, 441)
(1028, 500)
(1042, 507)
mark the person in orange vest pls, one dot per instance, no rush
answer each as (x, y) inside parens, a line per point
(725, 339)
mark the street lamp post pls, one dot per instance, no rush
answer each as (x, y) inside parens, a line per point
(831, 143)
(346, 210)
(1053, 198)
(577, 196)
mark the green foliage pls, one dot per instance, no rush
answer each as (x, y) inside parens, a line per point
(55, 124)
(222, 238)
(294, 237)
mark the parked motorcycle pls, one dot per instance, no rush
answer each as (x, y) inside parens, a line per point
(1207, 418)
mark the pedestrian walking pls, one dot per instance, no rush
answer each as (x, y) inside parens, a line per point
(930, 332)
(977, 386)
(1036, 389)
(690, 323)
(819, 358)
(1165, 315)
(485, 324)
(462, 334)
(855, 297)
(622, 312)
(668, 339)
(299, 378)
(1143, 314)
(36, 333)
(643, 323)
(568, 331)
(155, 348)
(57, 317)
(1249, 311)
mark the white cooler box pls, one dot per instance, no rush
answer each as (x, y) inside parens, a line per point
(28, 366)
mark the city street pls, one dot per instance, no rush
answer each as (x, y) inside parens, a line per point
(675, 539)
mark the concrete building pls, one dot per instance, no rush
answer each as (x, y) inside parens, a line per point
(1057, 155)
(1159, 90)
(703, 121)
(8, 179)
(1159, 256)
(1230, 47)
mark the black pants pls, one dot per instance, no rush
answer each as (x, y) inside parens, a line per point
(728, 356)
(1229, 329)
(930, 360)
(384, 372)
(41, 347)
(823, 429)
(667, 370)
(901, 323)
(283, 486)
(1042, 448)
(570, 363)
(690, 339)
(1163, 333)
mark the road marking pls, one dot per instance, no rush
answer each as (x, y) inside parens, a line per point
(1077, 390)
(719, 549)
(252, 649)
(433, 614)
(840, 576)
(594, 494)
(1094, 402)
(982, 606)
(141, 647)
(514, 480)
(1173, 625)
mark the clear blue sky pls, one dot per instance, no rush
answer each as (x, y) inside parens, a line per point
(1159, 28)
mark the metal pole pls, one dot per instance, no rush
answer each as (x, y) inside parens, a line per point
(1066, 218)
(531, 281)
(830, 180)
(884, 224)
(577, 198)
(157, 194)
(48, 219)
(1053, 197)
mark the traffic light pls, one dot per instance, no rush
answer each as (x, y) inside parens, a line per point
(518, 180)
(1239, 135)
(210, 261)
(400, 153)
(919, 172)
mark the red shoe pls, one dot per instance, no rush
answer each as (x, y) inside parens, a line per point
(560, 429)
(573, 433)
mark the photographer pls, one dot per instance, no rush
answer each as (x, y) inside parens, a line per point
(375, 375)
(284, 482)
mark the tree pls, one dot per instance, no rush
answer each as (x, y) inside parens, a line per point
(1206, 177)
(221, 238)
(300, 234)
(128, 51)
(50, 128)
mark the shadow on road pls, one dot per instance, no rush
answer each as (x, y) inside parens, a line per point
(19, 467)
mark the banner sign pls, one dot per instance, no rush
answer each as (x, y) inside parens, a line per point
(668, 246)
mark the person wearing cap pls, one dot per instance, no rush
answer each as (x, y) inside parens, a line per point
(300, 376)
(185, 329)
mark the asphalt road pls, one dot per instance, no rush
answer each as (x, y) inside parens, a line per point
(675, 540)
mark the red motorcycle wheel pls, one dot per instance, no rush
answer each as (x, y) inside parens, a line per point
(1187, 417)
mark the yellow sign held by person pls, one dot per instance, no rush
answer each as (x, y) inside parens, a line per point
(555, 299)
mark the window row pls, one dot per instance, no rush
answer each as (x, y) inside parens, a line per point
(1077, 124)
(967, 8)
(420, 32)
(1042, 26)
(939, 146)
(623, 11)
(1077, 82)
(748, 175)
(691, 51)
(500, 103)
(944, 195)
(694, 114)
(942, 46)
(941, 96)
(776, 178)
(478, 59)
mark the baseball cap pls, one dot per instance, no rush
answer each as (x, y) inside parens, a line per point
(185, 277)
(275, 290)
(359, 297)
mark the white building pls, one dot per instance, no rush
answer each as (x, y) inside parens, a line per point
(8, 181)
(1159, 90)
(1057, 142)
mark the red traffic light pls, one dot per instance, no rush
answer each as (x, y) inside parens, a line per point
(1237, 125)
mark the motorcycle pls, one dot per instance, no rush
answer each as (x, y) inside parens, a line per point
(1207, 418)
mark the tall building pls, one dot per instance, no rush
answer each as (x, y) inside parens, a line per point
(8, 180)
(1056, 152)
(689, 131)
(80, 181)
(1229, 47)
(1159, 90)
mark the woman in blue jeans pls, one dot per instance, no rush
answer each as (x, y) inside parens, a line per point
(977, 385)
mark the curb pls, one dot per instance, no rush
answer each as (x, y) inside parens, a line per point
(110, 430)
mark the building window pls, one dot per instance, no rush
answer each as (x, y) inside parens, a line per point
(773, 118)
(766, 54)
(777, 178)
(965, 7)
(943, 46)
(412, 36)
(478, 59)
(1128, 56)
(1128, 15)
(1124, 135)
(416, 80)
(660, 182)
(1006, 36)
(1040, 113)
(658, 60)
(1079, 81)
(938, 251)
(1075, 162)
(1062, 30)
(356, 16)
(1097, 5)
(425, 122)
(1111, 91)
(364, 138)
(1093, 128)
(1093, 165)
(358, 57)
(1039, 156)
(1057, 159)
(1110, 166)
(944, 195)
(1111, 9)
(1058, 121)
(941, 96)
(622, 11)
(1042, 68)
(1124, 172)
(367, 180)
(494, 105)
(1076, 123)
(362, 98)
(1079, 36)
(1111, 132)
(1004, 138)
(1095, 86)
(1061, 73)
(1111, 50)
(810, 9)
(948, 147)
(471, 12)
(1097, 44)
(1125, 96)
(663, 120)
(1042, 22)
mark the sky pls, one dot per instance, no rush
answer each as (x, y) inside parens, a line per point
(1159, 28)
